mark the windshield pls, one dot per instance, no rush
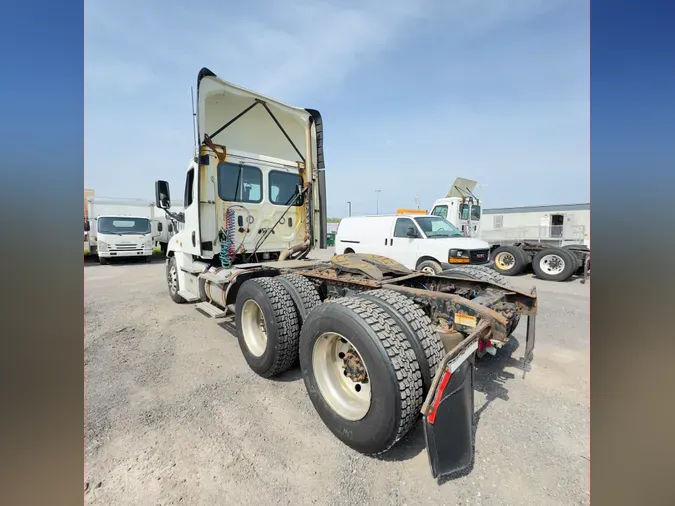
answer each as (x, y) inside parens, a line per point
(123, 226)
(475, 213)
(435, 226)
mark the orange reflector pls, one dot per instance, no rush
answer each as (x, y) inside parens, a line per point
(458, 260)
(431, 417)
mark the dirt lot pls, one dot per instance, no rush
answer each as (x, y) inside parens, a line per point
(174, 415)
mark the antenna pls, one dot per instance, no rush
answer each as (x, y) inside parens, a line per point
(194, 120)
(417, 200)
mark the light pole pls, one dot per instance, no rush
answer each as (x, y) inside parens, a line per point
(350, 207)
(377, 201)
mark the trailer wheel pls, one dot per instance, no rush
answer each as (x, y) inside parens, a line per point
(416, 326)
(509, 260)
(304, 293)
(429, 267)
(172, 280)
(267, 326)
(554, 264)
(482, 273)
(360, 373)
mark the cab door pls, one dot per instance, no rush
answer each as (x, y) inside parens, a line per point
(402, 246)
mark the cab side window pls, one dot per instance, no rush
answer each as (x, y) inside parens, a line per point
(189, 184)
(402, 225)
(441, 211)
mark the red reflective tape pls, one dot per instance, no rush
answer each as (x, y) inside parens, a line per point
(431, 417)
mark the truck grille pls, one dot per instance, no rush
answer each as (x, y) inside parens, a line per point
(479, 256)
(126, 247)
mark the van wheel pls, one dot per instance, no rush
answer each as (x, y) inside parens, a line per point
(429, 267)
(360, 373)
(267, 326)
(349, 250)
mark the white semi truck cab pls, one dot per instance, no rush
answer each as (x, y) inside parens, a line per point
(461, 207)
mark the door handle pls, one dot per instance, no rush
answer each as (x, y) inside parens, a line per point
(194, 238)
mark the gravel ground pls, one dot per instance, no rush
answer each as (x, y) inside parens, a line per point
(174, 415)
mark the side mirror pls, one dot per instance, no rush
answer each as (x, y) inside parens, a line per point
(411, 232)
(162, 195)
(87, 227)
(159, 227)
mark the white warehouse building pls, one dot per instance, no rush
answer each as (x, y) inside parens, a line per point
(555, 225)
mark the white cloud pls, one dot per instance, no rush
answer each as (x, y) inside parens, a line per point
(286, 49)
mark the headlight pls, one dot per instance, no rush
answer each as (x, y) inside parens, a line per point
(458, 256)
(148, 244)
(102, 245)
(458, 253)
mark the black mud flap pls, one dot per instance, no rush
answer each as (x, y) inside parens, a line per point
(448, 425)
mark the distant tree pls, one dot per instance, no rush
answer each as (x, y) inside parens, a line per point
(333, 220)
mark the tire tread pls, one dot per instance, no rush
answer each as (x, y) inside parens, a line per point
(287, 323)
(401, 357)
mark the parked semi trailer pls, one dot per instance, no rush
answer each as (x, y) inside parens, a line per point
(553, 263)
(379, 345)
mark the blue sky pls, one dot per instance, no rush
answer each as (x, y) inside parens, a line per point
(413, 94)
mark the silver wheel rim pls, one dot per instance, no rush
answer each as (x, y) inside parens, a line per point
(552, 264)
(173, 280)
(253, 328)
(505, 260)
(428, 270)
(342, 376)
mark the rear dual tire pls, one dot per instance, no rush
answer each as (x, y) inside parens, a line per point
(510, 260)
(383, 354)
(360, 356)
(555, 264)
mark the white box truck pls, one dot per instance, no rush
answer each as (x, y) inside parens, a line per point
(120, 228)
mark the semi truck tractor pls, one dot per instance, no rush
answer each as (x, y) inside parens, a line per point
(379, 345)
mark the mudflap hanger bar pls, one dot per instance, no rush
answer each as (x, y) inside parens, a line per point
(208, 138)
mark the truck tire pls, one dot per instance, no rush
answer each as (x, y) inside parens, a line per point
(482, 273)
(509, 260)
(477, 272)
(579, 252)
(103, 261)
(416, 327)
(360, 373)
(267, 326)
(554, 264)
(304, 293)
(172, 280)
(429, 267)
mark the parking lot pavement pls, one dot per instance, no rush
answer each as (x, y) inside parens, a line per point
(174, 415)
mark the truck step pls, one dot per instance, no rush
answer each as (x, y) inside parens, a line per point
(189, 297)
(211, 310)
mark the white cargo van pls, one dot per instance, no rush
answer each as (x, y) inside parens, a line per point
(426, 243)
